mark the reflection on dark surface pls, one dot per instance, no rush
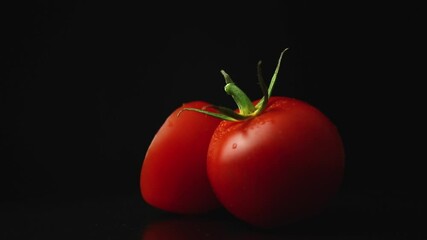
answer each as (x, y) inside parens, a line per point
(349, 217)
(193, 228)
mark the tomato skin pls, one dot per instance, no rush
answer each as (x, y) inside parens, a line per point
(279, 167)
(173, 174)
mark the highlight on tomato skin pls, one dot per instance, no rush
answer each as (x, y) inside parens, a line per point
(173, 174)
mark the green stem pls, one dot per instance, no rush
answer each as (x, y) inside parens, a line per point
(264, 100)
(276, 71)
(243, 102)
(245, 105)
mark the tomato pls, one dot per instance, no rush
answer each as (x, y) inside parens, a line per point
(281, 166)
(173, 174)
(273, 161)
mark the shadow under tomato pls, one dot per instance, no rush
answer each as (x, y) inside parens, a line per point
(199, 228)
(210, 226)
(222, 225)
(352, 216)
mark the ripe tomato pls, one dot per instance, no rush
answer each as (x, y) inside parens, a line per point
(274, 161)
(278, 167)
(173, 174)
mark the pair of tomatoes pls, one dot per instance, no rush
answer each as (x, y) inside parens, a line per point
(271, 162)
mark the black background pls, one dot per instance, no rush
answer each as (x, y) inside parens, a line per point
(85, 86)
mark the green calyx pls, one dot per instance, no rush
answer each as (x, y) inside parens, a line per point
(246, 107)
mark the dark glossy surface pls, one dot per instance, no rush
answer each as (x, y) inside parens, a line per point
(350, 216)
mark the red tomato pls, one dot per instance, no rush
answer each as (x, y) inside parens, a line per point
(173, 175)
(279, 167)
